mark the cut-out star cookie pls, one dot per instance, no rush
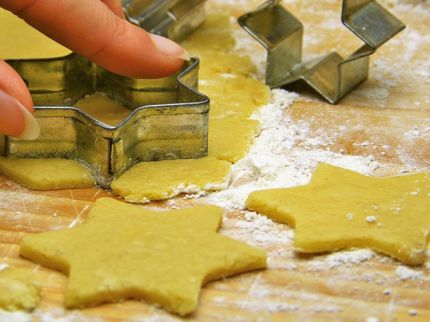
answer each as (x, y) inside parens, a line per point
(125, 251)
(341, 208)
(18, 290)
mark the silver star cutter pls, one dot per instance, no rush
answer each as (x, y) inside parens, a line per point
(168, 116)
(174, 19)
(331, 75)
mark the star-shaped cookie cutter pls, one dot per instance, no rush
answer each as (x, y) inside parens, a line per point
(331, 75)
(168, 117)
(174, 19)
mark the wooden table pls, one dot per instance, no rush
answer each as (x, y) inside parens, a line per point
(390, 113)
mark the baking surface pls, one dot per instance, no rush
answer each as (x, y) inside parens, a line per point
(384, 124)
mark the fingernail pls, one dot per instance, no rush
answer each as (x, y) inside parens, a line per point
(31, 128)
(169, 47)
(185, 55)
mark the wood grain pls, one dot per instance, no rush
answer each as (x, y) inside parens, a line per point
(387, 117)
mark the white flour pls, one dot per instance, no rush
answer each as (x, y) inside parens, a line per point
(341, 258)
(17, 316)
(284, 155)
(3, 266)
(405, 273)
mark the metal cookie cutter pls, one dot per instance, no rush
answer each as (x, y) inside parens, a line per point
(174, 19)
(331, 75)
(168, 116)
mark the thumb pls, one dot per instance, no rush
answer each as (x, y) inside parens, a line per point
(16, 120)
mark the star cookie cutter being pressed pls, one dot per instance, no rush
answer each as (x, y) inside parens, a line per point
(174, 19)
(331, 75)
(168, 117)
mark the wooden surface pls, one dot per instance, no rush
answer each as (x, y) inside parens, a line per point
(387, 117)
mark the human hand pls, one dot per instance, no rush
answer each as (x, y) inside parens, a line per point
(93, 28)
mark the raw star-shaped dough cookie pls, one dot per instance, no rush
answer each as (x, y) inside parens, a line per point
(341, 208)
(125, 251)
(165, 179)
(18, 291)
(46, 174)
(230, 138)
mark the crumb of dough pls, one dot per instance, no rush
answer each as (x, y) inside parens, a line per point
(165, 179)
(18, 291)
(317, 211)
(46, 174)
(125, 251)
(231, 138)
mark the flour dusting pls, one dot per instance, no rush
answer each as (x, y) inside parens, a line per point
(60, 315)
(16, 316)
(3, 266)
(341, 258)
(406, 273)
(284, 155)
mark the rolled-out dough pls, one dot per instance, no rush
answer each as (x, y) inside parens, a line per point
(164, 179)
(103, 108)
(215, 34)
(21, 41)
(231, 138)
(234, 96)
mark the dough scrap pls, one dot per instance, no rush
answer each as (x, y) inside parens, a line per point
(103, 109)
(215, 33)
(125, 251)
(234, 96)
(341, 209)
(18, 291)
(21, 41)
(231, 138)
(46, 174)
(165, 179)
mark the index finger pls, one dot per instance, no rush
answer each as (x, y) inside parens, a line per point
(91, 29)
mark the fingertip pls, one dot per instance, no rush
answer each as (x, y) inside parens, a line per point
(14, 85)
(166, 46)
(16, 120)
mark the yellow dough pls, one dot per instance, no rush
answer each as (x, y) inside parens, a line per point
(225, 77)
(214, 34)
(125, 251)
(46, 174)
(165, 179)
(340, 208)
(213, 63)
(18, 291)
(21, 41)
(103, 109)
(234, 96)
(231, 138)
